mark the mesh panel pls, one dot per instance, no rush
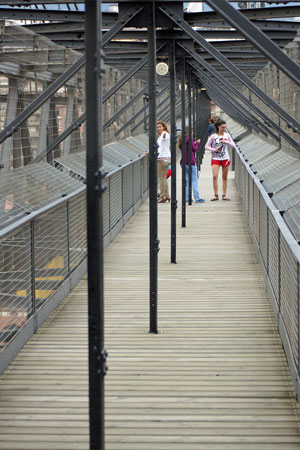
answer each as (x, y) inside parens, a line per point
(256, 211)
(246, 189)
(273, 257)
(263, 230)
(137, 182)
(115, 199)
(287, 197)
(276, 161)
(250, 196)
(15, 285)
(145, 174)
(283, 177)
(289, 295)
(105, 206)
(127, 188)
(50, 252)
(77, 230)
(292, 218)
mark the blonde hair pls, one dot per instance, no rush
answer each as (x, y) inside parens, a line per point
(164, 125)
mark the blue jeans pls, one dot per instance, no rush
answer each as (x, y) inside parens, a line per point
(194, 183)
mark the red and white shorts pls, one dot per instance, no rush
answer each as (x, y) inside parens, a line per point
(223, 163)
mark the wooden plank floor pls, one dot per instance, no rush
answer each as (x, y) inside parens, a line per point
(213, 378)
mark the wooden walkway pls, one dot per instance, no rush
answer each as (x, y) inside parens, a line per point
(214, 378)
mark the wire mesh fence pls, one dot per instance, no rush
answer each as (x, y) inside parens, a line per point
(43, 233)
(279, 255)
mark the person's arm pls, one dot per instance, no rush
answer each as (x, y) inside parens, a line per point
(195, 145)
(208, 145)
(229, 141)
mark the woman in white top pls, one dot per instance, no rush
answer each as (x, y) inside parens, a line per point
(163, 159)
(218, 144)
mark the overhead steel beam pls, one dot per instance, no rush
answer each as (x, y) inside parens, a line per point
(291, 122)
(197, 19)
(228, 86)
(259, 39)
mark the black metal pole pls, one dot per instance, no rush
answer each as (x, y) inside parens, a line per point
(173, 150)
(153, 239)
(97, 353)
(189, 88)
(194, 108)
(183, 159)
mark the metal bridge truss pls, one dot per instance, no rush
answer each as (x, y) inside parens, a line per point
(234, 58)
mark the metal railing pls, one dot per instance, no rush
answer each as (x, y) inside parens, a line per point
(279, 256)
(44, 254)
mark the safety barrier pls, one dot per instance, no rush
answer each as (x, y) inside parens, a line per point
(43, 255)
(279, 255)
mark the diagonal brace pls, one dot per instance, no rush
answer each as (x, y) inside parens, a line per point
(259, 39)
(291, 122)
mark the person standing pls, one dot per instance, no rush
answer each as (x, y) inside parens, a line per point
(211, 127)
(163, 159)
(195, 146)
(218, 144)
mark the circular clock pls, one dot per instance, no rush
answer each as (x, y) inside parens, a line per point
(162, 68)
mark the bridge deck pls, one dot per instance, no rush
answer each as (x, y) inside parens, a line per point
(215, 376)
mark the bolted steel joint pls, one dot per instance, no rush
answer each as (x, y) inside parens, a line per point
(104, 367)
(100, 187)
(156, 245)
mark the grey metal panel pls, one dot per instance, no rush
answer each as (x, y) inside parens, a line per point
(53, 179)
(115, 199)
(113, 156)
(127, 190)
(257, 151)
(77, 230)
(50, 252)
(273, 257)
(140, 144)
(266, 166)
(263, 231)
(287, 197)
(123, 150)
(289, 294)
(137, 181)
(145, 174)
(256, 212)
(250, 196)
(282, 177)
(292, 218)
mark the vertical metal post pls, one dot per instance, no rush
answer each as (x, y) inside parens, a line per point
(95, 188)
(189, 88)
(153, 239)
(183, 150)
(32, 240)
(173, 150)
(194, 108)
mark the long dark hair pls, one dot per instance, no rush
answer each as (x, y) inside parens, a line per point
(218, 124)
(180, 137)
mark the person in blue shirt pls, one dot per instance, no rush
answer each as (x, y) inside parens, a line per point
(211, 127)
